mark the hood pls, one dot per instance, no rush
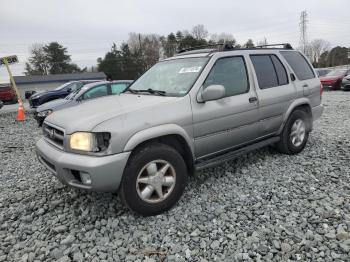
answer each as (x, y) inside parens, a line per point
(52, 104)
(88, 114)
(38, 94)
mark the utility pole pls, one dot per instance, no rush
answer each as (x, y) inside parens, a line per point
(303, 31)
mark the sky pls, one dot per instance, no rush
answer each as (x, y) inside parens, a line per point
(88, 28)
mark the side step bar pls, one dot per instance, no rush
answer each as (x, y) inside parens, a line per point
(235, 153)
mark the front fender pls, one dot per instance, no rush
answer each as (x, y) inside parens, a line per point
(158, 131)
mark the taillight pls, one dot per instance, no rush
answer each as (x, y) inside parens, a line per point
(321, 90)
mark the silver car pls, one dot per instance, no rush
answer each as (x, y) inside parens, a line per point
(188, 112)
(85, 93)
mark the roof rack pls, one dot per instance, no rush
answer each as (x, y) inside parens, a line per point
(284, 46)
(229, 47)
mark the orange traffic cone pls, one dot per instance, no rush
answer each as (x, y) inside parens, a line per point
(21, 116)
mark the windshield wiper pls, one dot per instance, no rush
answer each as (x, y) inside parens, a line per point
(149, 90)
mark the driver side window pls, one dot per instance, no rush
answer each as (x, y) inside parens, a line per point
(231, 73)
(95, 92)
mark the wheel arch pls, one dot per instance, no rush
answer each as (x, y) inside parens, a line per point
(302, 103)
(171, 135)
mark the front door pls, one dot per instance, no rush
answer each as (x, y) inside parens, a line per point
(230, 121)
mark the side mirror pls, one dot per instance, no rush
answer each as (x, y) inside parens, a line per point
(69, 90)
(212, 92)
(292, 77)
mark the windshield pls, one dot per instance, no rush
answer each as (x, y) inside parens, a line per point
(173, 77)
(62, 86)
(337, 72)
(72, 95)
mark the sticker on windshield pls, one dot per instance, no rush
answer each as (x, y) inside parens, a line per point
(193, 69)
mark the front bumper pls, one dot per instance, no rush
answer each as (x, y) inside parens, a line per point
(317, 111)
(105, 172)
(38, 118)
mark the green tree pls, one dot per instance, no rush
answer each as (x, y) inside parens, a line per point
(249, 44)
(335, 57)
(52, 58)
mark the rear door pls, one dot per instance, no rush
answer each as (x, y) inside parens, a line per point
(274, 88)
(307, 83)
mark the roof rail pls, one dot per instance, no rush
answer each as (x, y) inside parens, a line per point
(284, 46)
(219, 47)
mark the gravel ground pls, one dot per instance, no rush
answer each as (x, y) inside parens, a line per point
(263, 206)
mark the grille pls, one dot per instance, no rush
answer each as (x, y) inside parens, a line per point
(54, 135)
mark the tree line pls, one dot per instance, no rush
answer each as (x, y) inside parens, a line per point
(133, 57)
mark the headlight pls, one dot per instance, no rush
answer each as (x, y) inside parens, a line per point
(90, 142)
(45, 113)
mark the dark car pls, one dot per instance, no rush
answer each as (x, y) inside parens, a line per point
(7, 94)
(346, 83)
(322, 71)
(90, 91)
(333, 80)
(62, 91)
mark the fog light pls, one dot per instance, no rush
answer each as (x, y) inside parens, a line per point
(85, 178)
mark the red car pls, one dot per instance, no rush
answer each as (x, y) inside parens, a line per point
(7, 94)
(332, 81)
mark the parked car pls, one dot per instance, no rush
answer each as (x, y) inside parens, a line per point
(62, 91)
(1, 104)
(346, 83)
(7, 94)
(322, 71)
(188, 112)
(89, 91)
(333, 80)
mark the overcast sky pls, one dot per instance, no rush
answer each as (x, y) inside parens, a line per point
(88, 28)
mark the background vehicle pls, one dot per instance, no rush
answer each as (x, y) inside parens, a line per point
(333, 80)
(7, 94)
(192, 111)
(62, 91)
(89, 91)
(322, 71)
(346, 83)
(1, 104)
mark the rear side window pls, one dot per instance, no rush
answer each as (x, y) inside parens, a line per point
(299, 65)
(231, 73)
(280, 70)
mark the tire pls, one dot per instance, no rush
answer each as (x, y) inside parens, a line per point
(147, 160)
(286, 145)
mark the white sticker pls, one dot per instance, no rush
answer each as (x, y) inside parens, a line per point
(193, 69)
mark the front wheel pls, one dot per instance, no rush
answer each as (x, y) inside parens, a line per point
(295, 133)
(153, 180)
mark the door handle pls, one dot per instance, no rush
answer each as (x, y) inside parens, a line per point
(306, 85)
(253, 99)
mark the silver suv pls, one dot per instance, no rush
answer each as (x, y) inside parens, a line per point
(188, 112)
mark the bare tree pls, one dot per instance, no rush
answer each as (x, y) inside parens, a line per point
(317, 47)
(37, 63)
(199, 32)
(223, 38)
(262, 42)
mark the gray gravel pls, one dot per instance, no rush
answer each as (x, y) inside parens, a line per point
(263, 206)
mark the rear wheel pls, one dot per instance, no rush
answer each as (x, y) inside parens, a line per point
(153, 180)
(295, 133)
